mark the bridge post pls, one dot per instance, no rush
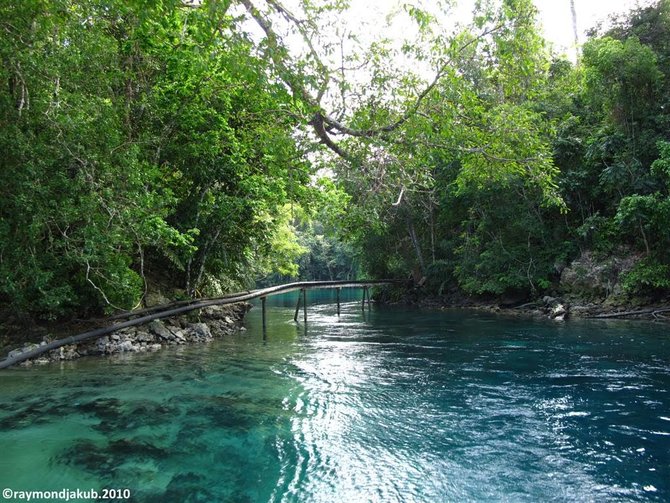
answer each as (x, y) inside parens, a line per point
(365, 291)
(338, 289)
(297, 306)
(304, 303)
(263, 314)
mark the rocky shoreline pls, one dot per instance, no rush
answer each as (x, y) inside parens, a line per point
(196, 327)
(554, 308)
(591, 286)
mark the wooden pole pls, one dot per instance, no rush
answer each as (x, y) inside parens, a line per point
(297, 307)
(263, 311)
(365, 290)
(304, 303)
(338, 300)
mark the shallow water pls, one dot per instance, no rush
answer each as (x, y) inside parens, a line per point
(390, 405)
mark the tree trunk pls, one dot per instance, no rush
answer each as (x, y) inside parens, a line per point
(575, 32)
(416, 245)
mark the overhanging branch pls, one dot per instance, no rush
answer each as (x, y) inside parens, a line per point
(323, 123)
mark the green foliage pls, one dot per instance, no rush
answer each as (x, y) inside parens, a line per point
(283, 249)
(646, 217)
(505, 244)
(647, 277)
(661, 166)
(156, 139)
(622, 78)
(134, 143)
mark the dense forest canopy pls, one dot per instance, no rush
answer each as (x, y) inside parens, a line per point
(196, 147)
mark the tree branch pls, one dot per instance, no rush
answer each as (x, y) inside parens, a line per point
(322, 122)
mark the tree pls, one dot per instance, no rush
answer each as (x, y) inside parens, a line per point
(141, 142)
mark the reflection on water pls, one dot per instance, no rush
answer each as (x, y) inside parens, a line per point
(385, 405)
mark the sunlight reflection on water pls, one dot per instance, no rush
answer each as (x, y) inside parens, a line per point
(386, 405)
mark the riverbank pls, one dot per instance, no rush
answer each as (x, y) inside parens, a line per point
(559, 308)
(195, 327)
(575, 409)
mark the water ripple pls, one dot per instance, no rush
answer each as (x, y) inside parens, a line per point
(388, 406)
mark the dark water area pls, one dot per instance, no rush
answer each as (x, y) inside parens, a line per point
(384, 405)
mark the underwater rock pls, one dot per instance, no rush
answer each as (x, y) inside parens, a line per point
(188, 488)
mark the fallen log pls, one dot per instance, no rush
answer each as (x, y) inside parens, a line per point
(623, 314)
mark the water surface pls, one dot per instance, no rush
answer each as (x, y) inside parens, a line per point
(388, 405)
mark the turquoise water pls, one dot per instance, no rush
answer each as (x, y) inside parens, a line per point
(388, 405)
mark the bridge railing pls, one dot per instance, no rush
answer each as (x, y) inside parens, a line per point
(147, 315)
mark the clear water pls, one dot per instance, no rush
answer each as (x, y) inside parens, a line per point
(390, 405)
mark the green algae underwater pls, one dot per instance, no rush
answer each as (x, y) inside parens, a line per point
(390, 404)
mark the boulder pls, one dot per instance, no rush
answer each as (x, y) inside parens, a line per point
(144, 337)
(155, 299)
(126, 347)
(558, 312)
(595, 276)
(158, 328)
(199, 331)
(549, 301)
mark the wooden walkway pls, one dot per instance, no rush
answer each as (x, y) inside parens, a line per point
(142, 316)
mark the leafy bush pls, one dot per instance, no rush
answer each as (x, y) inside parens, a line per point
(647, 276)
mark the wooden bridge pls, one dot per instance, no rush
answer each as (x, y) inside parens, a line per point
(142, 316)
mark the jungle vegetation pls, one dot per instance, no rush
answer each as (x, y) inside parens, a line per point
(201, 146)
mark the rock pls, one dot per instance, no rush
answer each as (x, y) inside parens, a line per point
(221, 320)
(158, 328)
(213, 312)
(126, 347)
(144, 337)
(65, 353)
(581, 311)
(558, 312)
(596, 276)
(199, 331)
(548, 301)
(155, 299)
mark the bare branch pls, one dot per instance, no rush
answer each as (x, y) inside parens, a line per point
(397, 203)
(88, 270)
(322, 122)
